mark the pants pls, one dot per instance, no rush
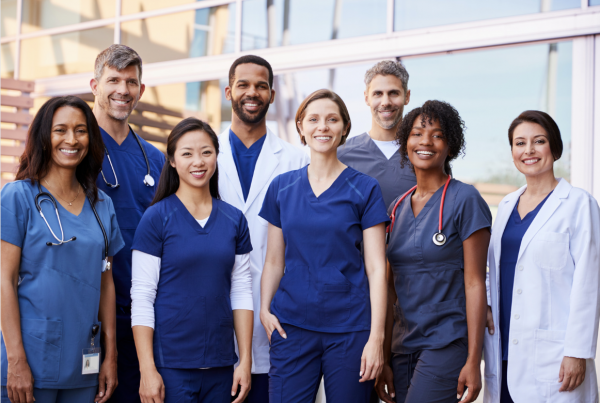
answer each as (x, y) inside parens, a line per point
(259, 393)
(211, 385)
(504, 393)
(299, 362)
(79, 395)
(429, 376)
(128, 373)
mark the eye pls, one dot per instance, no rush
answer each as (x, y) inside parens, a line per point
(312, 119)
(186, 154)
(333, 120)
(540, 141)
(207, 153)
(519, 143)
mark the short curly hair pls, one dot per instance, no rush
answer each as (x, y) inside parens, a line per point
(453, 128)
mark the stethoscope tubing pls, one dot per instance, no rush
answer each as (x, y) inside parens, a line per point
(148, 180)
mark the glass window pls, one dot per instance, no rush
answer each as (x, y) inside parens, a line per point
(594, 3)
(44, 14)
(307, 21)
(74, 52)
(209, 31)
(138, 6)
(7, 61)
(428, 13)
(8, 17)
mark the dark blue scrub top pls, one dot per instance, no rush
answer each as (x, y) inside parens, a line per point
(511, 243)
(131, 198)
(429, 279)
(245, 159)
(324, 287)
(362, 154)
(59, 292)
(193, 316)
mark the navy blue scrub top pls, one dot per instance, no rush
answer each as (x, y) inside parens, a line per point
(429, 279)
(325, 287)
(59, 289)
(362, 154)
(193, 315)
(511, 243)
(131, 198)
(245, 159)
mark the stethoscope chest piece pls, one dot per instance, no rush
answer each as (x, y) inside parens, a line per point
(148, 180)
(439, 238)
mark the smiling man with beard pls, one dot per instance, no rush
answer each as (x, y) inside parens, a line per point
(375, 152)
(117, 87)
(250, 157)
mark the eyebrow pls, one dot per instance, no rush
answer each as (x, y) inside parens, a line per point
(244, 81)
(536, 136)
(422, 128)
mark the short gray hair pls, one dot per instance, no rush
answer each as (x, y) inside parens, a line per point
(118, 57)
(388, 68)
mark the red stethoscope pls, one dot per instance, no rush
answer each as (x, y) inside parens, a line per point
(438, 238)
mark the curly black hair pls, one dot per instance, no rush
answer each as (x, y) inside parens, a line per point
(453, 128)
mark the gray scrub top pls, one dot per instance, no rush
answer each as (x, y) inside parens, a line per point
(362, 154)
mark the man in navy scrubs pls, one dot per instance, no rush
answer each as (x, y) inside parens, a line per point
(130, 173)
(250, 157)
(375, 152)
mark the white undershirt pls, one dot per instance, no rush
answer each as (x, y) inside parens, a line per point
(145, 273)
(388, 148)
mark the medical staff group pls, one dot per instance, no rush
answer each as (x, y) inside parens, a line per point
(238, 269)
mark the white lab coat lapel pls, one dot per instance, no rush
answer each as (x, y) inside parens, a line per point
(500, 225)
(228, 165)
(561, 191)
(267, 162)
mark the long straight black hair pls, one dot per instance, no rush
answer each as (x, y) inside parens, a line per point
(169, 178)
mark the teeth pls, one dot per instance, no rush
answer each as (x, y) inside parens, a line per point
(120, 102)
(64, 150)
(322, 138)
(424, 153)
(530, 161)
(198, 172)
(251, 104)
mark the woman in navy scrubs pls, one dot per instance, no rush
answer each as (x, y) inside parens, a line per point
(191, 284)
(325, 313)
(439, 317)
(55, 294)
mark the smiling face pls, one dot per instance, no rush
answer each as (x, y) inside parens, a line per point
(195, 159)
(386, 97)
(531, 149)
(69, 137)
(250, 94)
(322, 126)
(426, 146)
(118, 92)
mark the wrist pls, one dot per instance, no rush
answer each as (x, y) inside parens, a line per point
(16, 357)
(376, 337)
(246, 363)
(147, 367)
(473, 361)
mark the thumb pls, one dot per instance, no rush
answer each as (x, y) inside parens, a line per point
(391, 389)
(234, 387)
(102, 384)
(280, 330)
(490, 321)
(461, 388)
(561, 373)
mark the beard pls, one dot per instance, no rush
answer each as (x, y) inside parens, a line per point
(104, 104)
(238, 109)
(387, 124)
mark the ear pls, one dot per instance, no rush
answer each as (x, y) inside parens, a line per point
(272, 97)
(407, 98)
(228, 93)
(94, 86)
(172, 163)
(142, 89)
(366, 97)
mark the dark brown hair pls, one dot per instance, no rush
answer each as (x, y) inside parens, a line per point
(36, 159)
(547, 123)
(324, 94)
(250, 59)
(169, 178)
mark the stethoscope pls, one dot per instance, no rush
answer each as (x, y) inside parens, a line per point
(438, 238)
(45, 196)
(148, 179)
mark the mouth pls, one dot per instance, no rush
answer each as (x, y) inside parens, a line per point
(69, 151)
(531, 161)
(198, 174)
(387, 113)
(425, 154)
(120, 102)
(252, 106)
(323, 139)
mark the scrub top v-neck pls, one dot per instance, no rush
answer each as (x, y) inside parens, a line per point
(59, 288)
(429, 279)
(324, 287)
(245, 159)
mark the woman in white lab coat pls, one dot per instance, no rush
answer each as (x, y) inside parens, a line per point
(544, 279)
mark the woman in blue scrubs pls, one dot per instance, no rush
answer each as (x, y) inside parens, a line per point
(439, 281)
(191, 281)
(55, 295)
(322, 305)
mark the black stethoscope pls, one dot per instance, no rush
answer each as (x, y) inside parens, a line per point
(45, 196)
(148, 179)
(438, 238)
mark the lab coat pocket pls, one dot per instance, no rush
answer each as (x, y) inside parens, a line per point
(42, 340)
(549, 346)
(551, 250)
(335, 298)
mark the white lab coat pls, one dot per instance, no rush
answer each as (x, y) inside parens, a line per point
(276, 157)
(555, 306)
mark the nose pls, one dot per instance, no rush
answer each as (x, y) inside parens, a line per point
(426, 139)
(70, 138)
(530, 148)
(385, 100)
(122, 88)
(252, 92)
(323, 127)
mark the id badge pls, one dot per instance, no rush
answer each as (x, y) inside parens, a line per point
(91, 361)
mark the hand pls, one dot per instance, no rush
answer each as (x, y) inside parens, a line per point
(386, 378)
(107, 379)
(470, 376)
(489, 323)
(371, 362)
(572, 373)
(19, 382)
(270, 323)
(242, 377)
(152, 388)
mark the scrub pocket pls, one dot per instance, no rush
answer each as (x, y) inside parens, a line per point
(551, 250)
(291, 300)
(42, 340)
(336, 295)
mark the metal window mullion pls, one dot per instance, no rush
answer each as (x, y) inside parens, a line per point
(17, 64)
(117, 27)
(238, 26)
(390, 16)
(585, 4)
